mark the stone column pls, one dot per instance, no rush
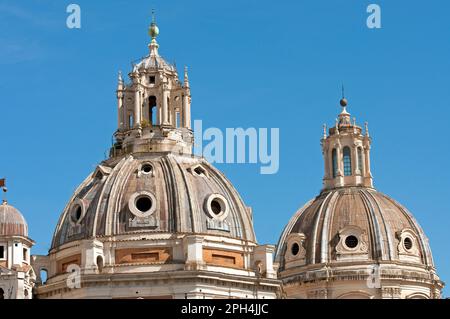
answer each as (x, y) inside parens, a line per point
(186, 111)
(368, 173)
(264, 254)
(137, 107)
(326, 157)
(120, 113)
(165, 107)
(340, 167)
(193, 246)
(356, 170)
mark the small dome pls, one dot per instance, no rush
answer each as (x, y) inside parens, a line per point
(153, 62)
(12, 222)
(344, 224)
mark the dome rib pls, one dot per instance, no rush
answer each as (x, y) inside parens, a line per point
(121, 174)
(193, 204)
(387, 230)
(379, 244)
(326, 229)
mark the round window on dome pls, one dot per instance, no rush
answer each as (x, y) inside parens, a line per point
(146, 168)
(351, 241)
(216, 206)
(408, 243)
(144, 204)
(295, 248)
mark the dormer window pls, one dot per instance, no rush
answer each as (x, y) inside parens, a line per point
(152, 79)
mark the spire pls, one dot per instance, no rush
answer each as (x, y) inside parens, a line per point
(120, 81)
(153, 32)
(366, 126)
(344, 116)
(186, 77)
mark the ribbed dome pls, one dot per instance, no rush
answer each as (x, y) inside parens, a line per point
(154, 62)
(354, 224)
(12, 222)
(156, 193)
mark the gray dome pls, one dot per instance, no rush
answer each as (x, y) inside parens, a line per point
(154, 62)
(354, 224)
(12, 222)
(156, 193)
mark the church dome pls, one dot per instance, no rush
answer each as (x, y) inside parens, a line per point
(155, 193)
(351, 223)
(12, 222)
(154, 220)
(352, 241)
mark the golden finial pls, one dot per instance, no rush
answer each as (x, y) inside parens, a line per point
(153, 30)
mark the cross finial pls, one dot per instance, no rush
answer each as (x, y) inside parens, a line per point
(153, 15)
(343, 91)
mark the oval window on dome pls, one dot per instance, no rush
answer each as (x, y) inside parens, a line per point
(146, 168)
(351, 241)
(77, 212)
(295, 248)
(408, 243)
(216, 206)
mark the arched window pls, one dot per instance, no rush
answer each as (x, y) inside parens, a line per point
(43, 274)
(334, 162)
(130, 121)
(347, 161)
(169, 115)
(100, 263)
(178, 119)
(360, 159)
(152, 110)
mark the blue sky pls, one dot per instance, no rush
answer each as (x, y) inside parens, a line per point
(252, 64)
